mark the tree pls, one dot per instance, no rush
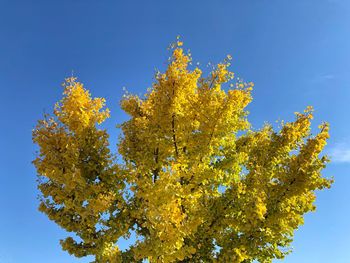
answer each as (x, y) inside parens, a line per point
(197, 184)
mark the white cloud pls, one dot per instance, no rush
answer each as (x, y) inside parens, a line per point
(340, 153)
(327, 77)
(323, 78)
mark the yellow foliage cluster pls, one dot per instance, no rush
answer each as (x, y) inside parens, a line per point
(197, 183)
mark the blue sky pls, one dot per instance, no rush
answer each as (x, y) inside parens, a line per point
(296, 52)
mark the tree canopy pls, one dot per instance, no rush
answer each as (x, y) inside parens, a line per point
(197, 183)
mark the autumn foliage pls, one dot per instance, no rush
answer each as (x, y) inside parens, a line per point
(196, 184)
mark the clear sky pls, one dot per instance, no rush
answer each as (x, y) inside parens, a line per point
(296, 52)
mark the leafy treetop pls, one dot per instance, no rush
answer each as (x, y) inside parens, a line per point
(197, 183)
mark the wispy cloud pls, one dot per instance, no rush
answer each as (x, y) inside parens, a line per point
(340, 153)
(327, 76)
(323, 78)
